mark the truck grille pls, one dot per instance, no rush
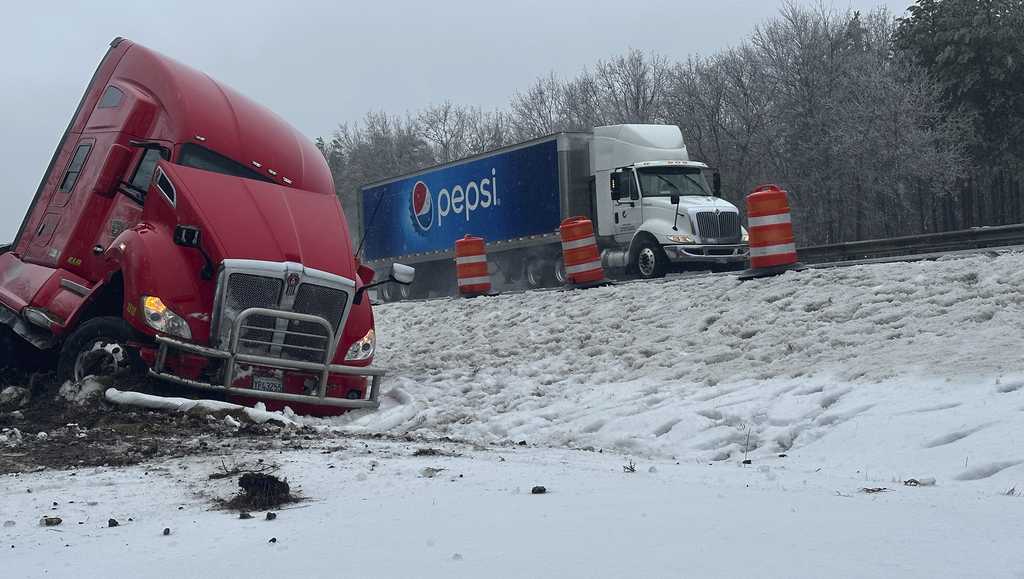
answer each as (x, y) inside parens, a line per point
(278, 337)
(718, 226)
(328, 303)
(253, 291)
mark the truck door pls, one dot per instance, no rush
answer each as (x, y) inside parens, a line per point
(626, 207)
(43, 248)
(122, 119)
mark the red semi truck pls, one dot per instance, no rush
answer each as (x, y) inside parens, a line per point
(183, 229)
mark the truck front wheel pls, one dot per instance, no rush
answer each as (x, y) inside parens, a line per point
(99, 347)
(651, 261)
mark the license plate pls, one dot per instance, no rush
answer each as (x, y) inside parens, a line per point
(267, 384)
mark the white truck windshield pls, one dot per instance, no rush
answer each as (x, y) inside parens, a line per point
(668, 181)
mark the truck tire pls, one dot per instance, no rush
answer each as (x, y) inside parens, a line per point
(536, 273)
(403, 291)
(99, 347)
(651, 261)
(558, 272)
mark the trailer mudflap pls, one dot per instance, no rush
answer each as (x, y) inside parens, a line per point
(232, 358)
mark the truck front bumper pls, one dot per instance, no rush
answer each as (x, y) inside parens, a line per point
(707, 253)
(232, 358)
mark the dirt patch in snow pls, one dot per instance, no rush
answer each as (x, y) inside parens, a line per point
(260, 491)
(53, 432)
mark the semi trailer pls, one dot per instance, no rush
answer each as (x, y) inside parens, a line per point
(186, 231)
(651, 206)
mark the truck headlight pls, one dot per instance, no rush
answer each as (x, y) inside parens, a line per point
(745, 238)
(682, 238)
(162, 319)
(363, 348)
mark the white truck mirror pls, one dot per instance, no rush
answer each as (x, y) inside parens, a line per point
(402, 274)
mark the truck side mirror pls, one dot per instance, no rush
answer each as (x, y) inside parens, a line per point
(402, 274)
(716, 183)
(114, 168)
(674, 199)
(398, 273)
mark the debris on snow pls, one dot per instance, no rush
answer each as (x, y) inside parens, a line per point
(87, 390)
(236, 412)
(10, 437)
(260, 491)
(538, 490)
(51, 521)
(13, 398)
(429, 471)
(919, 482)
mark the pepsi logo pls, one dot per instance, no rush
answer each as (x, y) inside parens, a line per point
(422, 207)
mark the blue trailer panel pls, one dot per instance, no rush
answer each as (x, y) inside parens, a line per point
(504, 196)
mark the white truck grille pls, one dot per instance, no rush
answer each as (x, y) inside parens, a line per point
(718, 227)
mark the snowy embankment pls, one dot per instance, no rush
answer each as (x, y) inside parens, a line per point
(881, 407)
(904, 369)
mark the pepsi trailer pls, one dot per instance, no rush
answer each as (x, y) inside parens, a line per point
(650, 204)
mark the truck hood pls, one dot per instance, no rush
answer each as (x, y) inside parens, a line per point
(688, 202)
(247, 219)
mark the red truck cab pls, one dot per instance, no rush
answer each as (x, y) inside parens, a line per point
(183, 228)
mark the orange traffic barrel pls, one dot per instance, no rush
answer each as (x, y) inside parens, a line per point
(580, 255)
(471, 266)
(770, 227)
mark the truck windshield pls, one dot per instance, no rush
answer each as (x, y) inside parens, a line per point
(198, 157)
(667, 181)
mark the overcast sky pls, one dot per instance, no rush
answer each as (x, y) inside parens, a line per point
(321, 63)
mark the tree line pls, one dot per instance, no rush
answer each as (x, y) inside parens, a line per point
(877, 126)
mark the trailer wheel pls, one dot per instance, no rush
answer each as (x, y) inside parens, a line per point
(99, 347)
(651, 261)
(386, 292)
(403, 291)
(535, 273)
(559, 272)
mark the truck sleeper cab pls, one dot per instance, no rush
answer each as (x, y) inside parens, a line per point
(184, 228)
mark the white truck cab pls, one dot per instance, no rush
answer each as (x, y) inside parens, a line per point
(654, 205)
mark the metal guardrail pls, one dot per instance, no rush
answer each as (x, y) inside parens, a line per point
(975, 238)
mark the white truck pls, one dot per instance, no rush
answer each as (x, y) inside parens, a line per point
(651, 206)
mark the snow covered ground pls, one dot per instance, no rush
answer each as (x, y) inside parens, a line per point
(899, 368)
(833, 383)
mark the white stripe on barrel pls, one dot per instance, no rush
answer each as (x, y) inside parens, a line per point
(578, 243)
(473, 280)
(777, 219)
(773, 250)
(589, 266)
(470, 259)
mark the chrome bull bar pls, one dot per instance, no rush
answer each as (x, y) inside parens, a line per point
(233, 357)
